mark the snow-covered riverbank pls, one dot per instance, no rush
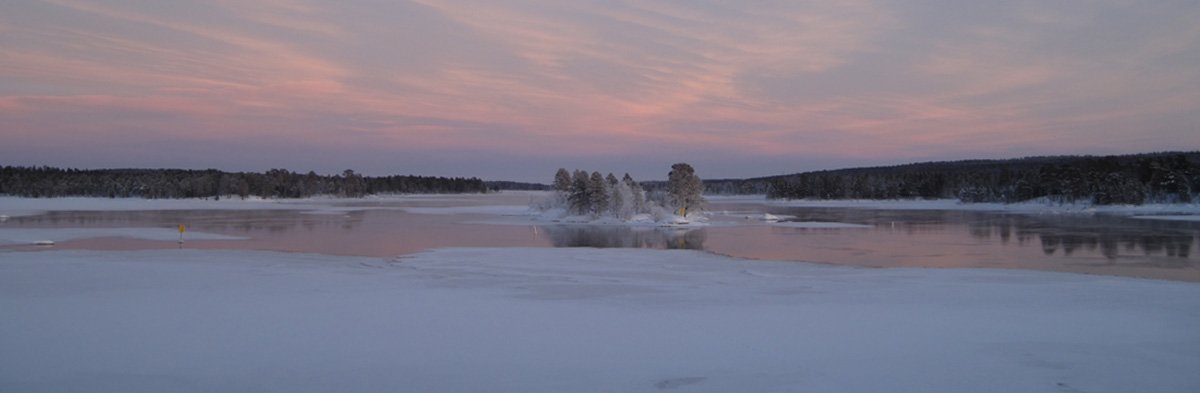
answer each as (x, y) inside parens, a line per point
(17, 207)
(51, 235)
(476, 204)
(580, 320)
(953, 204)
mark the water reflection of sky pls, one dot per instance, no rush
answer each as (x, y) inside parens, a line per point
(1098, 244)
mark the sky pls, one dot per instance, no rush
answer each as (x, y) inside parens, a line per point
(514, 89)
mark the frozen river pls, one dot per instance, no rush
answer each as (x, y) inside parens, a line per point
(469, 293)
(1098, 243)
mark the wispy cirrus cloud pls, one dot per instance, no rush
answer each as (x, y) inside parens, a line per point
(782, 85)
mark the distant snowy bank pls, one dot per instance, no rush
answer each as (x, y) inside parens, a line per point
(1181, 217)
(1040, 206)
(15, 206)
(49, 236)
(577, 320)
(18, 207)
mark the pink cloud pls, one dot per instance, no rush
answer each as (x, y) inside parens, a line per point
(596, 79)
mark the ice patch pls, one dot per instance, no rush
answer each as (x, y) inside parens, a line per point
(1188, 217)
(577, 319)
(818, 225)
(10, 236)
(768, 217)
(674, 383)
(499, 210)
(1044, 207)
(18, 207)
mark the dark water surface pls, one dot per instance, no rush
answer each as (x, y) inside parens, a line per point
(1093, 243)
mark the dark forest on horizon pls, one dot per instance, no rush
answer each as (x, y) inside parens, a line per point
(1167, 177)
(43, 182)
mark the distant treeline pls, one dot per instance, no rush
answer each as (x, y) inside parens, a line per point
(38, 182)
(1128, 179)
(498, 185)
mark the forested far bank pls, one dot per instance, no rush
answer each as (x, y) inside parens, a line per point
(1170, 177)
(42, 182)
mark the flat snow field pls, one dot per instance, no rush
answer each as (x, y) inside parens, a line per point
(577, 320)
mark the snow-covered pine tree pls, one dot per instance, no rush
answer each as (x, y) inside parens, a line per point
(616, 201)
(598, 194)
(637, 198)
(580, 199)
(562, 180)
(684, 188)
(562, 187)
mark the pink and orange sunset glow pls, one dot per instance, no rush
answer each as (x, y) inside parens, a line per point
(512, 90)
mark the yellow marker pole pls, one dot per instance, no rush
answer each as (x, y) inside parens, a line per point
(181, 230)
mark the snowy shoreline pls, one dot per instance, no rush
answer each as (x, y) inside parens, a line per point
(953, 204)
(577, 319)
(16, 206)
(11, 207)
(49, 236)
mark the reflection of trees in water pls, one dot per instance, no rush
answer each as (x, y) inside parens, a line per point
(624, 237)
(1110, 245)
(1107, 235)
(229, 222)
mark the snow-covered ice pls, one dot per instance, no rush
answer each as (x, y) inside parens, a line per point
(786, 221)
(499, 210)
(17, 207)
(578, 320)
(1040, 206)
(818, 225)
(1178, 217)
(33, 235)
(768, 217)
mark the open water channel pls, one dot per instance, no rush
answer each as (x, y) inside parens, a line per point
(1081, 243)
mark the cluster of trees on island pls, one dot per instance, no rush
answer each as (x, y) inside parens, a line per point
(1127, 179)
(41, 182)
(597, 195)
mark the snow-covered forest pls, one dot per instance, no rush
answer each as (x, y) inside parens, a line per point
(40, 182)
(1107, 180)
(595, 195)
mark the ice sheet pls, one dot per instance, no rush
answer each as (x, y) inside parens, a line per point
(33, 235)
(579, 320)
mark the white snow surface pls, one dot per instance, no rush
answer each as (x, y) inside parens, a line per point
(818, 225)
(499, 210)
(783, 220)
(33, 235)
(1180, 217)
(16, 207)
(1040, 206)
(577, 320)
